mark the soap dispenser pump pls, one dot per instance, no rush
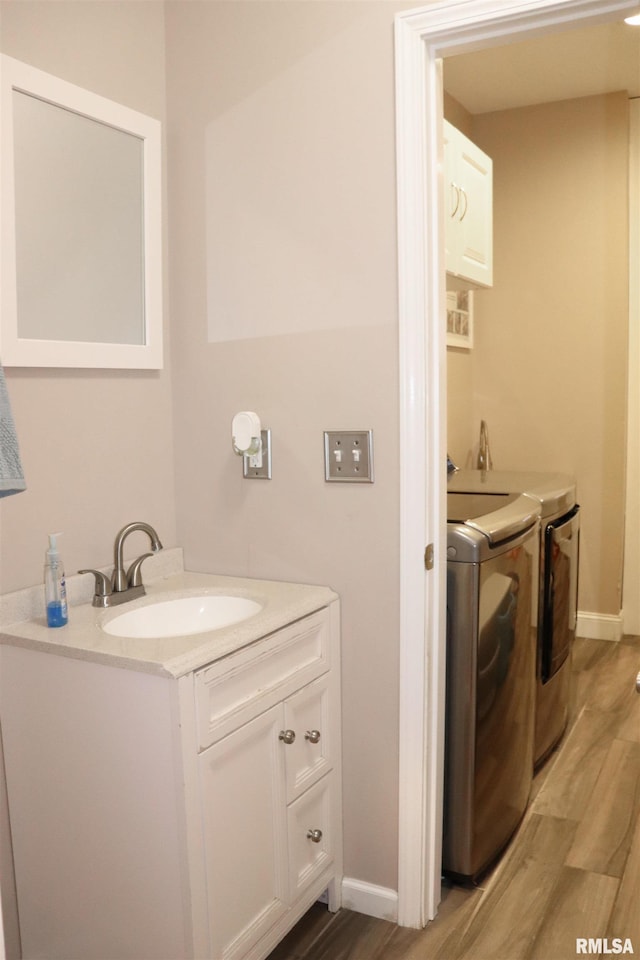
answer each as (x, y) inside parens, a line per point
(54, 585)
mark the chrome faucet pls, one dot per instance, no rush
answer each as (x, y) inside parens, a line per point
(484, 453)
(123, 585)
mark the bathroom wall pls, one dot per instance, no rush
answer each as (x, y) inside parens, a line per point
(96, 446)
(549, 362)
(284, 301)
(281, 200)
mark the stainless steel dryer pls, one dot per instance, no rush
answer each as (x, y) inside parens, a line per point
(492, 558)
(557, 580)
(557, 626)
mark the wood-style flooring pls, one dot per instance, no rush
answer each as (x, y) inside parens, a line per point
(571, 871)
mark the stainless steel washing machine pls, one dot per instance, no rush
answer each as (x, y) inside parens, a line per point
(492, 560)
(557, 586)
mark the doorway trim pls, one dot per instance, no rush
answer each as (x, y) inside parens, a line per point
(422, 38)
(631, 565)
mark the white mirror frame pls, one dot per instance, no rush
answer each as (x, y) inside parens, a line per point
(17, 351)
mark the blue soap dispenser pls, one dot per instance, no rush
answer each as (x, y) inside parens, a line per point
(54, 585)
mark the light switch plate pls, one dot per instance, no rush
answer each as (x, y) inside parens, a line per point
(249, 470)
(348, 456)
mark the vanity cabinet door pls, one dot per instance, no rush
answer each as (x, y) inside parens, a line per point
(245, 834)
(267, 723)
(310, 755)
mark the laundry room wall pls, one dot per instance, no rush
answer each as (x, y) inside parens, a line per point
(550, 354)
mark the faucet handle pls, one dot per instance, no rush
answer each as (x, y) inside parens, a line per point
(103, 584)
(134, 573)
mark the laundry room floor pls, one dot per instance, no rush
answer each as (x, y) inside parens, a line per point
(571, 871)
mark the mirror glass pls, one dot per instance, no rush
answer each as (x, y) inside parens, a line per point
(79, 241)
(81, 227)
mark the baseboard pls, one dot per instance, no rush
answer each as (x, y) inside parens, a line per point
(599, 626)
(367, 898)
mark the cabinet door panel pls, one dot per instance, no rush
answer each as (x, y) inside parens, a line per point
(468, 204)
(451, 200)
(244, 819)
(476, 246)
(308, 857)
(310, 756)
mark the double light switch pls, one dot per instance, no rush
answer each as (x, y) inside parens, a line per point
(348, 455)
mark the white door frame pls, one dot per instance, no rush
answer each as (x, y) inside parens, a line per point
(422, 37)
(631, 566)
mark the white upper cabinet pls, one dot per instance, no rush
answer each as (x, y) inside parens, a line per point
(468, 212)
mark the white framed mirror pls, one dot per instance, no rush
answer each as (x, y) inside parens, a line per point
(80, 212)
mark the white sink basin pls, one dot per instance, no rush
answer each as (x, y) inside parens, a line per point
(181, 616)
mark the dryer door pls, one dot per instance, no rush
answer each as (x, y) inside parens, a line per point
(560, 591)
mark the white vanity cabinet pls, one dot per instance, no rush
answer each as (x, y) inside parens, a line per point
(157, 817)
(269, 787)
(468, 212)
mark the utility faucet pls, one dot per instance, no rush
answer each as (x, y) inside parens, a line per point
(123, 586)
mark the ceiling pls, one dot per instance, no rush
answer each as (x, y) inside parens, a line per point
(561, 66)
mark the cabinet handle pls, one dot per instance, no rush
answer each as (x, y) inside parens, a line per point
(466, 204)
(638, 683)
(312, 736)
(288, 736)
(314, 835)
(457, 199)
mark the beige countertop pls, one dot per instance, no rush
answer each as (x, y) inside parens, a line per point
(83, 638)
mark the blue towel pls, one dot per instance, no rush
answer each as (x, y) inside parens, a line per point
(11, 476)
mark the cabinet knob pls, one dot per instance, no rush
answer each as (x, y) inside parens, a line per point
(288, 736)
(314, 835)
(312, 736)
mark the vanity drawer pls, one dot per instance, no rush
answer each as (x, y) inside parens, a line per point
(311, 843)
(233, 690)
